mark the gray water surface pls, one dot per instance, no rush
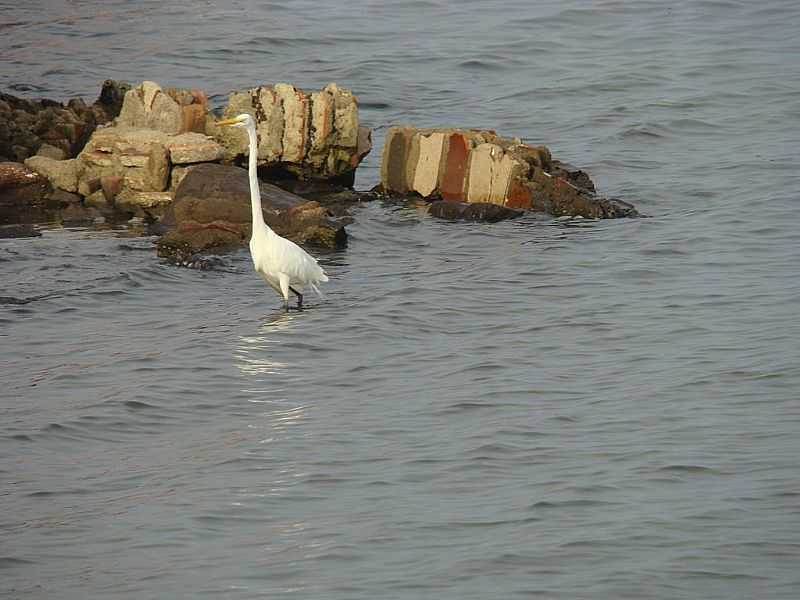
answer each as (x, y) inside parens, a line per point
(535, 408)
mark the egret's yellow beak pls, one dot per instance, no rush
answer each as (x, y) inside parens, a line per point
(229, 122)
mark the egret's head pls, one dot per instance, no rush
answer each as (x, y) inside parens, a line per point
(243, 120)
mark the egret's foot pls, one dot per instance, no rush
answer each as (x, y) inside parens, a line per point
(299, 297)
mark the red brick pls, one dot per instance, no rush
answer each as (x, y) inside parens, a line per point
(455, 168)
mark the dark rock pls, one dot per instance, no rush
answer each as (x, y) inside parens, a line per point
(26, 125)
(18, 231)
(23, 193)
(477, 211)
(61, 199)
(211, 213)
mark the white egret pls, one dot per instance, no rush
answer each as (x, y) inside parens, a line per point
(284, 265)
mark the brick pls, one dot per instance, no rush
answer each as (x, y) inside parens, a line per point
(426, 177)
(458, 150)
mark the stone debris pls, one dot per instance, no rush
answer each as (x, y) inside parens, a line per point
(53, 129)
(308, 135)
(480, 167)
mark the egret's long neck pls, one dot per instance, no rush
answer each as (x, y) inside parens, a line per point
(252, 171)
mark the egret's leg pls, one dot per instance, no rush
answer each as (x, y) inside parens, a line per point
(299, 296)
(283, 279)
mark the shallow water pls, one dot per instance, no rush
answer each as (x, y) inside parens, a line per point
(561, 409)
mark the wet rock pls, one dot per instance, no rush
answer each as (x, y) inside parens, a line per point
(303, 135)
(480, 211)
(479, 167)
(211, 213)
(28, 127)
(23, 193)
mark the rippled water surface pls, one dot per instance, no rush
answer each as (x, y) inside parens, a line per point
(536, 408)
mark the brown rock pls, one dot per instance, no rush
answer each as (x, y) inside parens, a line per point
(111, 186)
(217, 197)
(23, 191)
(478, 211)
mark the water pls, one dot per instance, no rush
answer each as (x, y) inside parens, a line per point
(536, 408)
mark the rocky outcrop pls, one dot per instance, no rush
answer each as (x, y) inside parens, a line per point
(479, 167)
(211, 213)
(51, 128)
(306, 135)
(170, 111)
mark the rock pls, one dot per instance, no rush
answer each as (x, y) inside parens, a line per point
(111, 186)
(97, 199)
(171, 111)
(49, 151)
(194, 148)
(62, 174)
(479, 167)
(177, 175)
(479, 211)
(61, 199)
(18, 230)
(153, 176)
(211, 212)
(149, 204)
(23, 192)
(52, 129)
(305, 136)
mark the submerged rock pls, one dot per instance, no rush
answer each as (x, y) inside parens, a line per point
(479, 167)
(211, 213)
(477, 211)
(23, 193)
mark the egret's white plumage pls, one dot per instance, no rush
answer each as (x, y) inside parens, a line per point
(284, 265)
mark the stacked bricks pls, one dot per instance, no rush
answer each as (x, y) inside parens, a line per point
(461, 166)
(311, 135)
(478, 166)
